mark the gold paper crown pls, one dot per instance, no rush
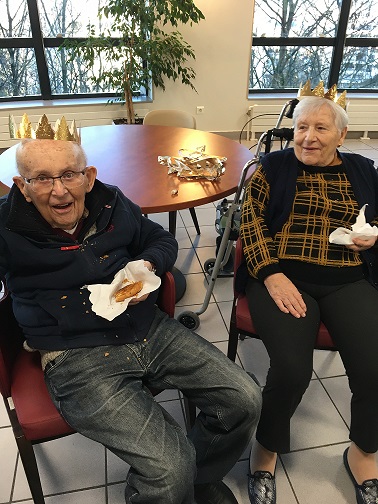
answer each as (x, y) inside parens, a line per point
(44, 130)
(318, 90)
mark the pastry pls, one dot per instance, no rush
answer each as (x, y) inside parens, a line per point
(128, 291)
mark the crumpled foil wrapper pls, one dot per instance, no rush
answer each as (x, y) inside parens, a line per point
(194, 164)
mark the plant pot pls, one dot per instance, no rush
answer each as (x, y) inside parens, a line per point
(123, 120)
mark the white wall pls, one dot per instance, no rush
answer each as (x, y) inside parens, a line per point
(222, 45)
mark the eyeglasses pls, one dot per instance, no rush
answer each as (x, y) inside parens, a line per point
(44, 184)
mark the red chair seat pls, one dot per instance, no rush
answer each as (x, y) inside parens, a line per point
(241, 323)
(244, 324)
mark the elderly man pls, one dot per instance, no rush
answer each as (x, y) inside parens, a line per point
(60, 230)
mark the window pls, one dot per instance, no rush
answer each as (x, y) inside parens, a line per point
(331, 40)
(31, 64)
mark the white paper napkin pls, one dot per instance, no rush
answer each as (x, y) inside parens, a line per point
(361, 229)
(102, 295)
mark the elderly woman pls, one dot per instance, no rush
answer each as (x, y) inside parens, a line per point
(295, 277)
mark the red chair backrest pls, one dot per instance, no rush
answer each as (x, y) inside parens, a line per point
(238, 259)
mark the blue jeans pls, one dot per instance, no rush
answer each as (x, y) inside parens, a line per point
(102, 393)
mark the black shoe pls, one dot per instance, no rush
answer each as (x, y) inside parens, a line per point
(213, 493)
(367, 492)
(262, 488)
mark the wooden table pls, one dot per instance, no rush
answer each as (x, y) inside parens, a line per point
(126, 156)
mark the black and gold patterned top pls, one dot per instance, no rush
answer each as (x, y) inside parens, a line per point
(324, 200)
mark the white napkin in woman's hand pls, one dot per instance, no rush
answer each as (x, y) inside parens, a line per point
(102, 295)
(361, 229)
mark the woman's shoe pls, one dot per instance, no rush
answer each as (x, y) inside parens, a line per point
(262, 488)
(367, 492)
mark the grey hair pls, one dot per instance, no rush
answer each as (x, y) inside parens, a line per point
(79, 151)
(310, 104)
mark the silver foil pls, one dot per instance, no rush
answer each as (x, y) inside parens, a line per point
(194, 164)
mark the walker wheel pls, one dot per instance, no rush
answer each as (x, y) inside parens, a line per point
(209, 265)
(189, 319)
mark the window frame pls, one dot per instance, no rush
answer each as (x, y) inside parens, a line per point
(39, 44)
(339, 42)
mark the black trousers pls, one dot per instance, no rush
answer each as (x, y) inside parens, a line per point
(350, 313)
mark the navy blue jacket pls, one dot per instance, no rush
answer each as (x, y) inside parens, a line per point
(47, 274)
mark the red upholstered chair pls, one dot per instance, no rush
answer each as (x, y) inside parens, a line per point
(32, 414)
(241, 323)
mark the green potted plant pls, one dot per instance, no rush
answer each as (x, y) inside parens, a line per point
(141, 46)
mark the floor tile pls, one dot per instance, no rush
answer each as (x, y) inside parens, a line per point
(254, 358)
(64, 466)
(167, 395)
(4, 419)
(316, 421)
(225, 308)
(206, 253)
(175, 409)
(328, 363)
(8, 450)
(92, 496)
(318, 476)
(205, 216)
(196, 287)
(183, 238)
(223, 289)
(207, 238)
(160, 218)
(212, 326)
(188, 262)
(339, 391)
(117, 469)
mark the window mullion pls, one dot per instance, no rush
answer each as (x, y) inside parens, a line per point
(39, 49)
(339, 43)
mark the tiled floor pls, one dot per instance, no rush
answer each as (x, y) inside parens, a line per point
(75, 470)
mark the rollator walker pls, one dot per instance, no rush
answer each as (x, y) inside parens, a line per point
(228, 212)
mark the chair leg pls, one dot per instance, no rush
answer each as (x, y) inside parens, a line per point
(31, 469)
(233, 336)
(190, 413)
(195, 220)
(27, 455)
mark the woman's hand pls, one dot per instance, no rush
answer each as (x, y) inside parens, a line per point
(360, 245)
(286, 296)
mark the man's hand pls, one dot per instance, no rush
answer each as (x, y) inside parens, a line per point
(137, 300)
(359, 245)
(149, 266)
(285, 295)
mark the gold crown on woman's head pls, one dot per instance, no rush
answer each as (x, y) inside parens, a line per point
(44, 130)
(319, 91)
